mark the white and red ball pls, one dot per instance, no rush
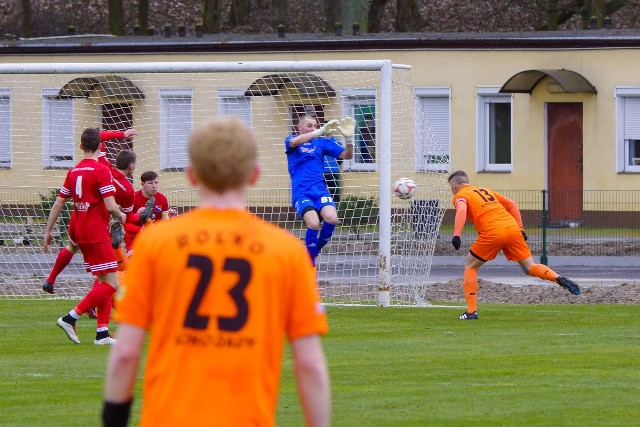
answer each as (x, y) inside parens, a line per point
(404, 188)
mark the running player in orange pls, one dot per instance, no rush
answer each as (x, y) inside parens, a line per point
(499, 224)
(220, 291)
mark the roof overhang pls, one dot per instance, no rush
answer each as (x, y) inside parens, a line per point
(112, 87)
(567, 80)
(305, 83)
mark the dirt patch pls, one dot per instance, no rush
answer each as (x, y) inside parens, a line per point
(490, 292)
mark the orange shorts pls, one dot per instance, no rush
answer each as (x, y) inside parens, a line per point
(509, 240)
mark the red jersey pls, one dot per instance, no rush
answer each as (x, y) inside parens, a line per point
(124, 191)
(140, 201)
(106, 135)
(88, 184)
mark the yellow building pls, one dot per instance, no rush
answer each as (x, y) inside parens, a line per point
(558, 111)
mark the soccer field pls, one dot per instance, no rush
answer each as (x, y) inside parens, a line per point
(543, 365)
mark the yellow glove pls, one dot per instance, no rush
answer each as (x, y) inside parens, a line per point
(347, 127)
(327, 129)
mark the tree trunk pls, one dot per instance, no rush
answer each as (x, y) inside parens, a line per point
(375, 16)
(279, 15)
(26, 18)
(355, 11)
(116, 18)
(240, 10)
(332, 14)
(143, 15)
(408, 16)
(211, 21)
(552, 15)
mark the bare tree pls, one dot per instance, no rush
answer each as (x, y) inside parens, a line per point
(116, 18)
(26, 18)
(280, 13)
(212, 12)
(408, 16)
(332, 13)
(240, 12)
(143, 14)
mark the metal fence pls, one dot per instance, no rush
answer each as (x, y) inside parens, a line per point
(574, 223)
(561, 223)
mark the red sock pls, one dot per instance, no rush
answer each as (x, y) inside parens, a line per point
(104, 312)
(470, 285)
(95, 298)
(62, 260)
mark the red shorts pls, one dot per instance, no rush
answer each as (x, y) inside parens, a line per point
(509, 240)
(99, 257)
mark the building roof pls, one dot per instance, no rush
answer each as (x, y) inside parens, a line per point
(229, 43)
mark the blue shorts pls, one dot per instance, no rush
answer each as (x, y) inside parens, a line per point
(316, 198)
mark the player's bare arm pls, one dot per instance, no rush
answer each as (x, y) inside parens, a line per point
(114, 209)
(312, 379)
(51, 221)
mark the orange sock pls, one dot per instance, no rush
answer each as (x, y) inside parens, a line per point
(470, 285)
(543, 272)
(121, 257)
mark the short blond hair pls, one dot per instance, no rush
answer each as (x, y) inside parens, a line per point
(223, 153)
(458, 177)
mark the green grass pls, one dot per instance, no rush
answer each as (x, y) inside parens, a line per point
(551, 365)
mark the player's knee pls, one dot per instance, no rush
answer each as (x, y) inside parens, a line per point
(312, 223)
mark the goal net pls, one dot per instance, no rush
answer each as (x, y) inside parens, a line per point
(381, 252)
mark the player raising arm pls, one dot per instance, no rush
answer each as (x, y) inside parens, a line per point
(310, 196)
(66, 254)
(499, 224)
(89, 185)
(220, 291)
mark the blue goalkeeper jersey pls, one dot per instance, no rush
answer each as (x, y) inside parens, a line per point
(306, 162)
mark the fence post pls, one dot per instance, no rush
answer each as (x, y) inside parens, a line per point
(543, 257)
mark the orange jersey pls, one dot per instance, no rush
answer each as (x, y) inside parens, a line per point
(221, 291)
(486, 209)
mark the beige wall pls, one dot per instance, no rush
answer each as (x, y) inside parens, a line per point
(463, 72)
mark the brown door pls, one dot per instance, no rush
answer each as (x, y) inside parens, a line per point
(116, 117)
(564, 140)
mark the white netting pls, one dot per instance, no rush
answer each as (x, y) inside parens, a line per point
(382, 243)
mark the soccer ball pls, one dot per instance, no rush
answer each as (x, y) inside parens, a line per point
(404, 188)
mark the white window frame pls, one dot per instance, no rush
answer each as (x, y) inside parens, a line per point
(486, 96)
(437, 127)
(626, 129)
(57, 133)
(350, 98)
(175, 128)
(6, 142)
(230, 98)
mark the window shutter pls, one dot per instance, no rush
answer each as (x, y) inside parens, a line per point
(58, 132)
(5, 131)
(631, 117)
(434, 130)
(177, 123)
(239, 107)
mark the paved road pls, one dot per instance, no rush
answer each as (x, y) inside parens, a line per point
(588, 271)
(584, 270)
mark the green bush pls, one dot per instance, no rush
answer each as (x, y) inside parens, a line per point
(357, 211)
(46, 203)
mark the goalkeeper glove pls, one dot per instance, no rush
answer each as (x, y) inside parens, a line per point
(327, 129)
(456, 242)
(524, 235)
(347, 127)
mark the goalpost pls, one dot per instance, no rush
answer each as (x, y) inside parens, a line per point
(380, 253)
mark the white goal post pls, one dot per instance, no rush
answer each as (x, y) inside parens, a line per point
(381, 252)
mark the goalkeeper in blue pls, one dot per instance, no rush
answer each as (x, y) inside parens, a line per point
(309, 193)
